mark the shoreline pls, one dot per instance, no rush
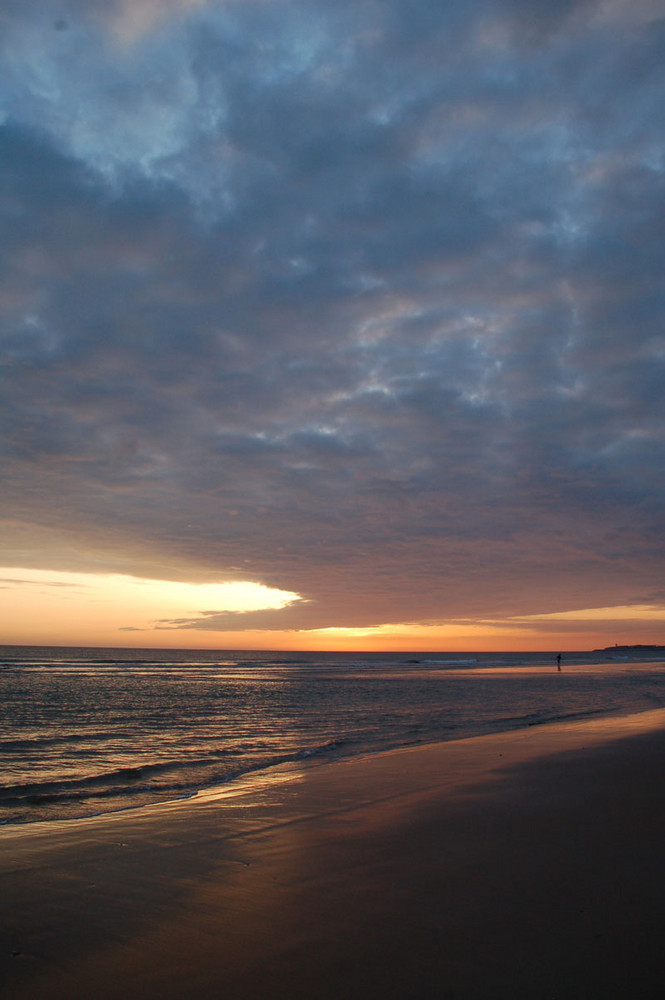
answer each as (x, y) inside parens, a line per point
(324, 755)
(407, 866)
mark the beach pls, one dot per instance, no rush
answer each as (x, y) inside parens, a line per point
(523, 864)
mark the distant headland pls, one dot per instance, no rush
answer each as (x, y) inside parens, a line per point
(640, 648)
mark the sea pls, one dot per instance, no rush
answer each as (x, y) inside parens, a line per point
(89, 731)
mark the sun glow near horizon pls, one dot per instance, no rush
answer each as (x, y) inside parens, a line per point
(48, 607)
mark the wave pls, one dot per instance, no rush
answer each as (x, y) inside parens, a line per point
(543, 718)
(447, 663)
(50, 742)
(127, 783)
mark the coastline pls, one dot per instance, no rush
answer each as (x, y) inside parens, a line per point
(181, 726)
(516, 864)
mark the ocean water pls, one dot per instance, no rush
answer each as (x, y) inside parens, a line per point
(86, 731)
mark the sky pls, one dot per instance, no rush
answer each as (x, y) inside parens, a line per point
(332, 325)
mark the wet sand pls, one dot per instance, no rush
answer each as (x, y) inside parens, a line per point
(523, 865)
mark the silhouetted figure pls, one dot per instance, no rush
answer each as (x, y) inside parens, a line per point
(558, 661)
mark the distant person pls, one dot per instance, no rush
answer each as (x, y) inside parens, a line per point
(558, 661)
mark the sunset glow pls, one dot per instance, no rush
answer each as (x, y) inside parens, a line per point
(68, 608)
(112, 609)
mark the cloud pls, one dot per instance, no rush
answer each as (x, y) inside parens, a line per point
(358, 302)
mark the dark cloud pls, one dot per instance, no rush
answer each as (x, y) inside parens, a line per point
(364, 303)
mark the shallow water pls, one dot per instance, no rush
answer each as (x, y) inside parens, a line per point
(90, 731)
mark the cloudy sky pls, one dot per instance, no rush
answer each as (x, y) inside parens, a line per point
(359, 304)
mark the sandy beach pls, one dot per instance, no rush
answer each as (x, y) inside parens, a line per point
(526, 864)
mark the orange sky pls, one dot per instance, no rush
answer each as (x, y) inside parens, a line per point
(57, 608)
